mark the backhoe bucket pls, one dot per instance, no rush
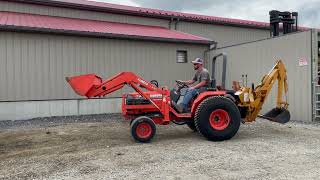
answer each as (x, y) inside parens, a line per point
(82, 84)
(278, 115)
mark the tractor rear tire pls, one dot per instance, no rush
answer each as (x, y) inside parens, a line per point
(217, 118)
(143, 129)
(192, 126)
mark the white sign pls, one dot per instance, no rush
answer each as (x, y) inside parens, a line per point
(303, 62)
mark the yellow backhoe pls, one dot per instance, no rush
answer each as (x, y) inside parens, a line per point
(252, 99)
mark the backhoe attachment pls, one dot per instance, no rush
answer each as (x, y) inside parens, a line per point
(253, 99)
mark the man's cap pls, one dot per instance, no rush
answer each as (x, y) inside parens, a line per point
(197, 61)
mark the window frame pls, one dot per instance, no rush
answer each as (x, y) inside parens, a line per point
(186, 56)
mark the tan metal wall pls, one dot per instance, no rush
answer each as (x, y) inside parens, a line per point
(256, 59)
(33, 66)
(224, 35)
(74, 13)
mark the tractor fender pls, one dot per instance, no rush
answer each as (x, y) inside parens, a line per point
(204, 96)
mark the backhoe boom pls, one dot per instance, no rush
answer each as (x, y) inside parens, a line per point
(258, 96)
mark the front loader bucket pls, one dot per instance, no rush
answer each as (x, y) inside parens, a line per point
(278, 115)
(82, 84)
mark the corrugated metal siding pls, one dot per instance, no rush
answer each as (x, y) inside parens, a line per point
(224, 35)
(74, 13)
(256, 59)
(34, 66)
(315, 70)
(315, 53)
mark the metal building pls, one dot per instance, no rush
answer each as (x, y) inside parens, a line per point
(256, 58)
(43, 41)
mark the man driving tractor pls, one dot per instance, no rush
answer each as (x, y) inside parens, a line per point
(216, 114)
(201, 76)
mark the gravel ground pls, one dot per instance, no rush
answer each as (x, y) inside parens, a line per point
(100, 147)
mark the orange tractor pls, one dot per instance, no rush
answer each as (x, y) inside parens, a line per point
(216, 113)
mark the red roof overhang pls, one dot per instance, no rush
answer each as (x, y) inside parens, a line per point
(49, 24)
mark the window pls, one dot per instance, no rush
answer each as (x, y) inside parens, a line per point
(182, 57)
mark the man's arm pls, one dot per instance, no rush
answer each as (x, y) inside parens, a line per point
(189, 82)
(199, 85)
(204, 77)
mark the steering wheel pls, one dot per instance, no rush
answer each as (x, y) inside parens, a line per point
(154, 82)
(181, 84)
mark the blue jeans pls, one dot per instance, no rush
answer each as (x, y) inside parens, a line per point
(188, 97)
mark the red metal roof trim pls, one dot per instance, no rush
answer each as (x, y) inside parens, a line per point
(38, 22)
(147, 11)
(101, 6)
(186, 16)
(163, 12)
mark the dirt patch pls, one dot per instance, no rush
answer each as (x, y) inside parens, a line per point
(105, 150)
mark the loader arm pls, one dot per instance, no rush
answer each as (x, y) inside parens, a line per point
(258, 96)
(91, 85)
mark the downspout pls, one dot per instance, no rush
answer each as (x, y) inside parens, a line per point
(212, 47)
(313, 84)
(176, 24)
(171, 20)
(314, 72)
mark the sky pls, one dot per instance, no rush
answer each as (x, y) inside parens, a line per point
(256, 10)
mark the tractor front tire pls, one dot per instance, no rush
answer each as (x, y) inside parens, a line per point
(217, 118)
(143, 129)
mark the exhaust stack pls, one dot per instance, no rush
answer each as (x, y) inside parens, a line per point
(289, 22)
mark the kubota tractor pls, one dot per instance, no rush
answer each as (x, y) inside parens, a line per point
(216, 113)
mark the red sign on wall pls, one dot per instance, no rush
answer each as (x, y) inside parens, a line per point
(303, 62)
